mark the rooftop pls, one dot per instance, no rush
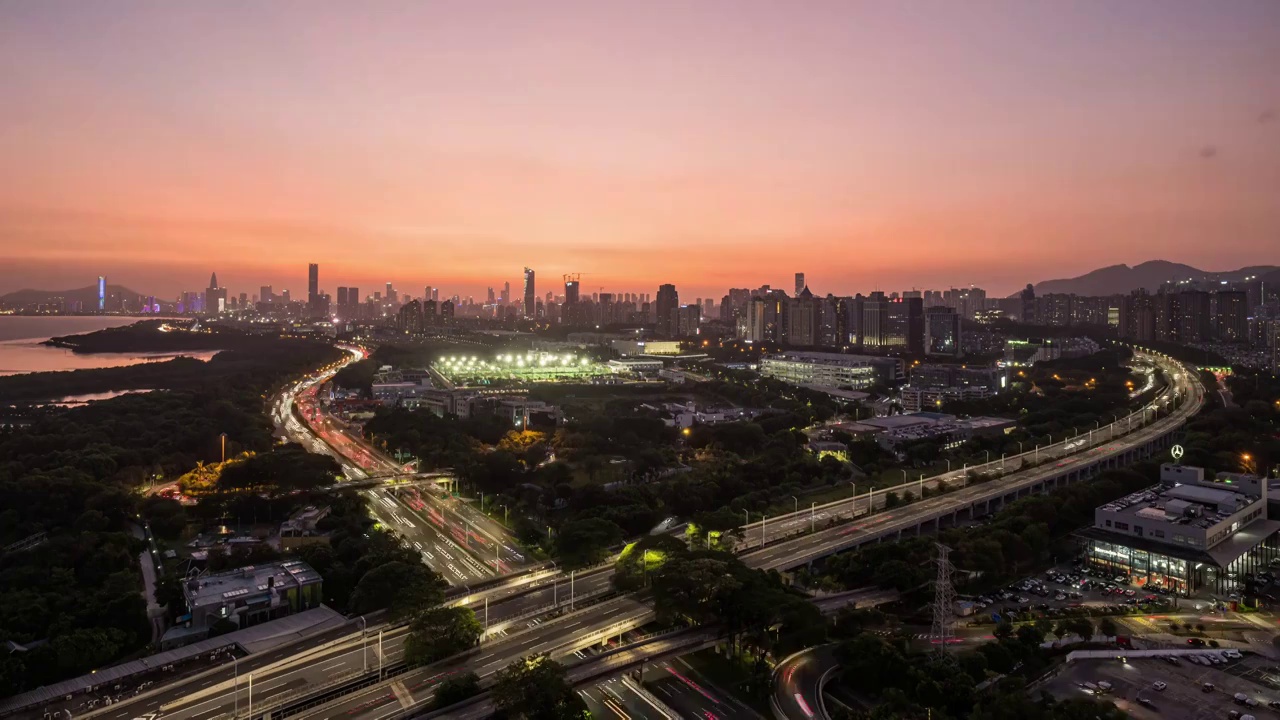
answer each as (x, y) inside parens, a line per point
(241, 582)
(1191, 505)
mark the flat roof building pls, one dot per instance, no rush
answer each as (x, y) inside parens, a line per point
(248, 596)
(1187, 534)
(835, 370)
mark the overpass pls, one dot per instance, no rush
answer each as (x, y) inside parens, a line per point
(877, 523)
(866, 520)
(807, 521)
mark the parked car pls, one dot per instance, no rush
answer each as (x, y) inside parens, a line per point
(1159, 685)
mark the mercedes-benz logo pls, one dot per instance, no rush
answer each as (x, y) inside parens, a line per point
(1177, 452)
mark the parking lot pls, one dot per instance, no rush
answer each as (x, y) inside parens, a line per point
(1059, 589)
(1184, 694)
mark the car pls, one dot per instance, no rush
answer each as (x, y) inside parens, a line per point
(1059, 597)
(1159, 685)
(1207, 687)
(1231, 654)
(1145, 702)
(1023, 600)
(1130, 592)
(1274, 704)
(1120, 579)
(1198, 642)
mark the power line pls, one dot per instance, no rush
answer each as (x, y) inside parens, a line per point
(944, 599)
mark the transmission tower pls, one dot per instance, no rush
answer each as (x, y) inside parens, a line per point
(944, 599)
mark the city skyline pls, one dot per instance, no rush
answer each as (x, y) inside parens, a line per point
(878, 147)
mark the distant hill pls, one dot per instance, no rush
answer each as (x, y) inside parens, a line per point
(1122, 279)
(86, 295)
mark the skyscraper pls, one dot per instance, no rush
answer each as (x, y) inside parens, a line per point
(266, 294)
(102, 293)
(800, 286)
(215, 298)
(342, 298)
(530, 296)
(313, 284)
(668, 301)
(506, 292)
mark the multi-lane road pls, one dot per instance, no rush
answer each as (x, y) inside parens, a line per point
(462, 544)
(513, 613)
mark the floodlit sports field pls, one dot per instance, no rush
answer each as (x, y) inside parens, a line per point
(525, 367)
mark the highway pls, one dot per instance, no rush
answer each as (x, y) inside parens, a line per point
(784, 554)
(513, 637)
(560, 638)
(322, 434)
(798, 681)
(1118, 434)
(486, 540)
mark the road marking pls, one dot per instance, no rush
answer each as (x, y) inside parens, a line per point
(402, 694)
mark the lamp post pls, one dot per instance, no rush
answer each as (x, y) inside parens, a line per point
(797, 504)
(224, 448)
(235, 682)
(813, 518)
(853, 501)
(904, 476)
(250, 713)
(948, 464)
(364, 643)
(763, 519)
(986, 457)
(379, 664)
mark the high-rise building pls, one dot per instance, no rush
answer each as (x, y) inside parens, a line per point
(506, 292)
(906, 324)
(803, 318)
(266, 294)
(102, 293)
(342, 298)
(215, 298)
(446, 312)
(1232, 316)
(688, 319)
(800, 286)
(942, 331)
(1196, 322)
(668, 301)
(313, 283)
(874, 330)
(1028, 296)
(530, 294)
(284, 296)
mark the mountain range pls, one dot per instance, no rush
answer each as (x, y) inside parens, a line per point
(87, 296)
(1122, 279)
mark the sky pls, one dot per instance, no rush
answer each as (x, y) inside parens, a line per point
(711, 144)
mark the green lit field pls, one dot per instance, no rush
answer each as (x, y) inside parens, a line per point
(530, 367)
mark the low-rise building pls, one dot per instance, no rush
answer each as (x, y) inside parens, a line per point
(1188, 534)
(835, 370)
(245, 596)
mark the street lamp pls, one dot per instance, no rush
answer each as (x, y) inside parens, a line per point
(364, 643)
(235, 682)
(797, 504)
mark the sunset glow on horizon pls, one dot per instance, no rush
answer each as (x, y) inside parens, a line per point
(706, 144)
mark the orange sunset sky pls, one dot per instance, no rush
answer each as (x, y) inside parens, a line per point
(711, 144)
